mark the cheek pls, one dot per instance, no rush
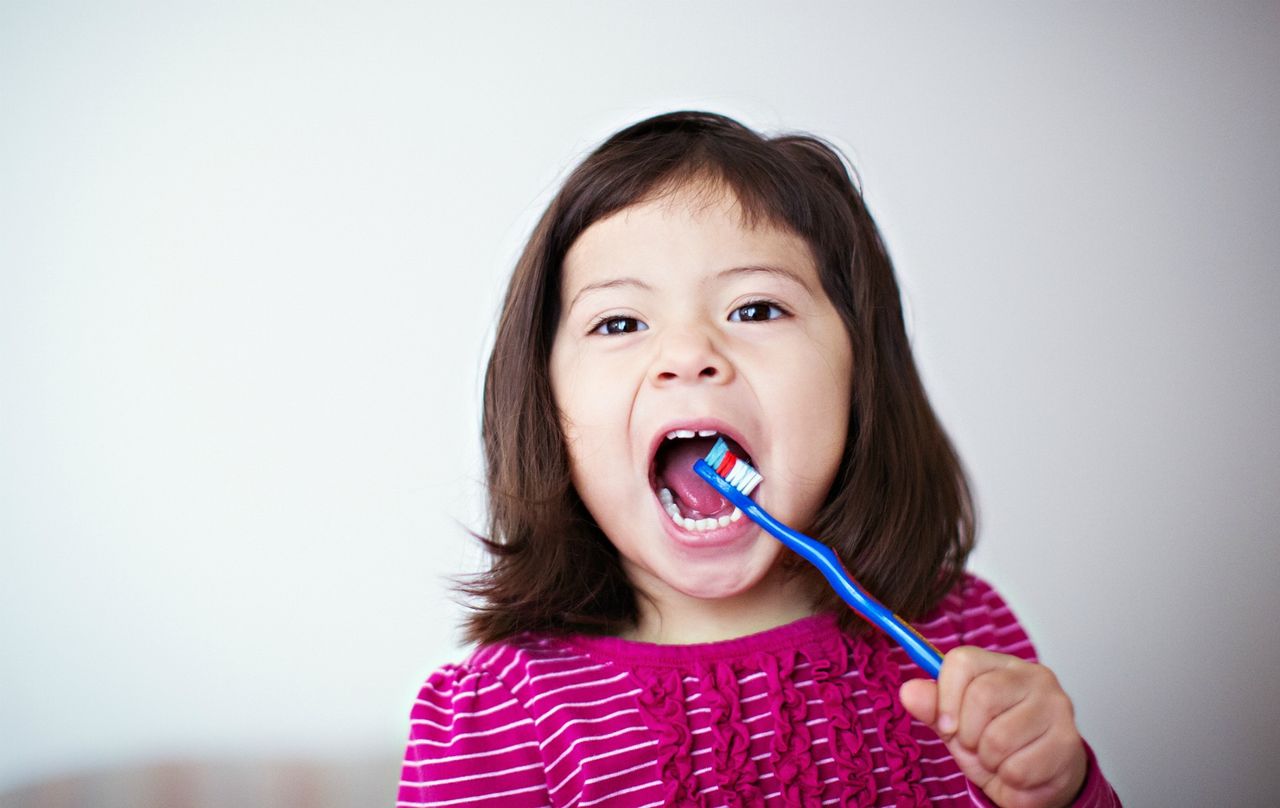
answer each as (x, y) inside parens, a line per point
(812, 402)
(593, 414)
(594, 389)
(819, 381)
(594, 409)
(569, 389)
(575, 376)
(834, 376)
(594, 401)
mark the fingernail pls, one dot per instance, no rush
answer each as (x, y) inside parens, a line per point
(946, 724)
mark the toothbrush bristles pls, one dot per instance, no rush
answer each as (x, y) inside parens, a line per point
(736, 471)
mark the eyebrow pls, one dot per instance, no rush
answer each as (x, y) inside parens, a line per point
(635, 283)
(609, 284)
(781, 272)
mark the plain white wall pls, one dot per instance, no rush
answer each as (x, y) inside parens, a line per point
(251, 258)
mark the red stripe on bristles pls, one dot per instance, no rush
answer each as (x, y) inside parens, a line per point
(726, 464)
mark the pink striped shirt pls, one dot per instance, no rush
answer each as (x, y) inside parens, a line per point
(801, 714)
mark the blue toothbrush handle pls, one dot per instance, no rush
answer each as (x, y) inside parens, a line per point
(822, 557)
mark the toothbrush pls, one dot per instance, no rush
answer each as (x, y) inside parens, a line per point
(734, 478)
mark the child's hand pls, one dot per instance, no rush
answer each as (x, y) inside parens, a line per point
(1007, 723)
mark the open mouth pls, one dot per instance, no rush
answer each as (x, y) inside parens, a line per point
(686, 497)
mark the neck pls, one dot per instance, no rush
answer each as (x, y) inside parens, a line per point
(678, 619)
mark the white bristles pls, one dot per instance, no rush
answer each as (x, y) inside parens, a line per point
(743, 477)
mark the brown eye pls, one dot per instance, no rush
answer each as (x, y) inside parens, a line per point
(758, 311)
(618, 325)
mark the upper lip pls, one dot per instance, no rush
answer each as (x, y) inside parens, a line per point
(696, 423)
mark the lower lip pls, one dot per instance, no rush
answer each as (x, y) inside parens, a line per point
(731, 533)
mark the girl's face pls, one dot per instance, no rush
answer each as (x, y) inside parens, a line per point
(677, 320)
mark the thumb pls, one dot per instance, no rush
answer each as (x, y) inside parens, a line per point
(920, 697)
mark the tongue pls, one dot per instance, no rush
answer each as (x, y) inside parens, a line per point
(677, 474)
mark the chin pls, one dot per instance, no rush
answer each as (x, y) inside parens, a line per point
(719, 578)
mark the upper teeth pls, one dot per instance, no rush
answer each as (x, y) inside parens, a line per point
(689, 433)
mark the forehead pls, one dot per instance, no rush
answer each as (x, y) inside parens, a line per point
(692, 229)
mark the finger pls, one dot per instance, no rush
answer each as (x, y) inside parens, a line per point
(920, 697)
(1046, 763)
(988, 695)
(970, 766)
(1011, 731)
(959, 667)
(1044, 706)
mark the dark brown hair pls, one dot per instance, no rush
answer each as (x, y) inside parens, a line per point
(899, 512)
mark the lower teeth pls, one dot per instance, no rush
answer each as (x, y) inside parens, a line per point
(688, 523)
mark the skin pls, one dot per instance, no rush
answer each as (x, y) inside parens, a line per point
(660, 321)
(1007, 723)
(699, 336)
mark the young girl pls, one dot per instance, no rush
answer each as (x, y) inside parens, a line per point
(642, 644)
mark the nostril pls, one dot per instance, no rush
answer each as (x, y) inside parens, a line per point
(708, 372)
(674, 373)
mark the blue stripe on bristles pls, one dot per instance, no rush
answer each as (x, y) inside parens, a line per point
(740, 475)
(717, 453)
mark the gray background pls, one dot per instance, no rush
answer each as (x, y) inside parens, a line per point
(251, 259)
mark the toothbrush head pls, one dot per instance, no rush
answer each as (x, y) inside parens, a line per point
(733, 469)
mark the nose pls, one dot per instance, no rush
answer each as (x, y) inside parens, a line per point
(690, 355)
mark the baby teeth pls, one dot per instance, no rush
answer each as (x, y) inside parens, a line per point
(697, 525)
(689, 433)
(668, 501)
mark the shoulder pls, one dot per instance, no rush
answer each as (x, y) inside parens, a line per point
(522, 663)
(511, 674)
(471, 738)
(460, 704)
(974, 613)
(481, 729)
(496, 671)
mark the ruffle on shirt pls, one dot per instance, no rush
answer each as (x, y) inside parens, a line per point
(838, 666)
(661, 702)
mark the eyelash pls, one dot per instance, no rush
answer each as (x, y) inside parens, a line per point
(604, 322)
